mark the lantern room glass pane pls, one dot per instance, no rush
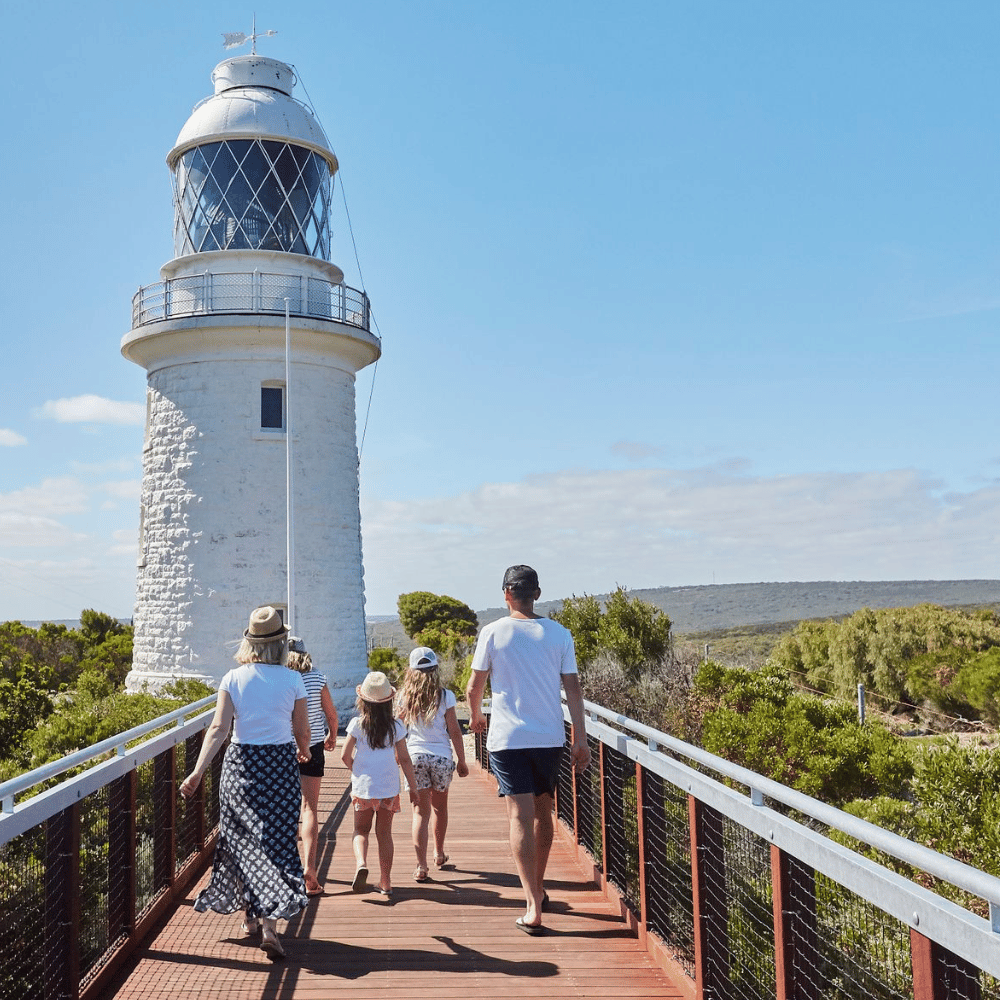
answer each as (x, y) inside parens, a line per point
(252, 194)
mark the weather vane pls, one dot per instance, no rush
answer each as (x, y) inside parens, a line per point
(231, 39)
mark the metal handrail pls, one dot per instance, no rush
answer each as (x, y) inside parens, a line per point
(15, 786)
(963, 876)
(256, 292)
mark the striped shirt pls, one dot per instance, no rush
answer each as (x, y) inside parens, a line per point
(315, 683)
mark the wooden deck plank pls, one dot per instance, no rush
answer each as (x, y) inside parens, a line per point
(454, 934)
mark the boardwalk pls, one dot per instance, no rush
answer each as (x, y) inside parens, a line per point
(452, 936)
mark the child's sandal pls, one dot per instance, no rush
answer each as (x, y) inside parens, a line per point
(420, 875)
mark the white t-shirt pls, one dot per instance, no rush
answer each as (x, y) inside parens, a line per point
(526, 658)
(432, 737)
(375, 773)
(263, 695)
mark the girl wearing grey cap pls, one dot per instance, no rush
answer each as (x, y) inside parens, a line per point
(428, 711)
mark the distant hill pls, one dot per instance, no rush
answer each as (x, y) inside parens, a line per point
(694, 610)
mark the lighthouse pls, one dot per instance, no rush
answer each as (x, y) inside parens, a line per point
(251, 343)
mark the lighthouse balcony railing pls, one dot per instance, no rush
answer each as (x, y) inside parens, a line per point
(250, 293)
(751, 889)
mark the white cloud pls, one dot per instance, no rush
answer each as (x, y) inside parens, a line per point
(52, 498)
(31, 531)
(125, 489)
(90, 409)
(588, 531)
(11, 439)
(635, 451)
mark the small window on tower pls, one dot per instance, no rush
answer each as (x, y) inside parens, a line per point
(272, 407)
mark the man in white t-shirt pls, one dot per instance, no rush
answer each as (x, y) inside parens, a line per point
(526, 658)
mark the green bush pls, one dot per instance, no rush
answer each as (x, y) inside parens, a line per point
(632, 631)
(814, 746)
(389, 662)
(978, 681)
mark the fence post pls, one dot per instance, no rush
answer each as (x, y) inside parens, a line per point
(794, 904)
(195, 813)
(121, 856)
(940, 975)
(62, 905)
(708, 886)
(164, 836)
(640, 808)
(602, 774)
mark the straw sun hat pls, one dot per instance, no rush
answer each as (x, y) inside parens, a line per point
(265, 626)
(376, 688)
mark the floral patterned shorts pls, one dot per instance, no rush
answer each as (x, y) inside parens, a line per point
(432, 771)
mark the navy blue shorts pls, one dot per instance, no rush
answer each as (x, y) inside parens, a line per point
(534, 770)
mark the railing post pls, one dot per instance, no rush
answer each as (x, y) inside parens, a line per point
(62, 905)
(164, 836)
(640, 808)
(121, 856)
(794, 905)
(577, 778)
(615, 841)
(195, 813)
(604, 814)
(711, 918)
(938, 974)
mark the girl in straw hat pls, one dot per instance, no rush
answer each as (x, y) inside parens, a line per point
(428, 711)
(257, 867)
(374, 751)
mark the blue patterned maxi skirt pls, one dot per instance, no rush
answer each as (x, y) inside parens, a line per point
(257, 866)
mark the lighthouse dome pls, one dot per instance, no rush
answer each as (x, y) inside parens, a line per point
(252, 100)
(252, 168)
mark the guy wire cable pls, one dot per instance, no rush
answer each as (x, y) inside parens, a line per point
(357, 261)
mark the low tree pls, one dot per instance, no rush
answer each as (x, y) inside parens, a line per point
(633, 632)
(421, 610)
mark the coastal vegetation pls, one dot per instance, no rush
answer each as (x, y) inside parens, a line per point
(63, 689)
(922, 763)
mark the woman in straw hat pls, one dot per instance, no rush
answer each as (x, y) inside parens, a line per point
(374, 751)
(257, 866)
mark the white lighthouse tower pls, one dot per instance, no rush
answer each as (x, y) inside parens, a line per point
(251, 343)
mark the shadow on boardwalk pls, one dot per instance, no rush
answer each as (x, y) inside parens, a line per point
(452, 935)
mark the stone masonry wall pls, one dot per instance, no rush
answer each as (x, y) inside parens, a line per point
(212, 543)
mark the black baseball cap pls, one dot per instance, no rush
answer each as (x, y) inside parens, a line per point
(520, 579)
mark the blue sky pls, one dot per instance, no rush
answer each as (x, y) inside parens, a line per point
(670, 293)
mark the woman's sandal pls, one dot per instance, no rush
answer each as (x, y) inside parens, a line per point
(313, 888)
(420, 874)
(250, 926)
(271, 946)
(440, 860)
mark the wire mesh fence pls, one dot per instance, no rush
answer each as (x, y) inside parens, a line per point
(22, 915)
(82, 864)
(667, 861)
